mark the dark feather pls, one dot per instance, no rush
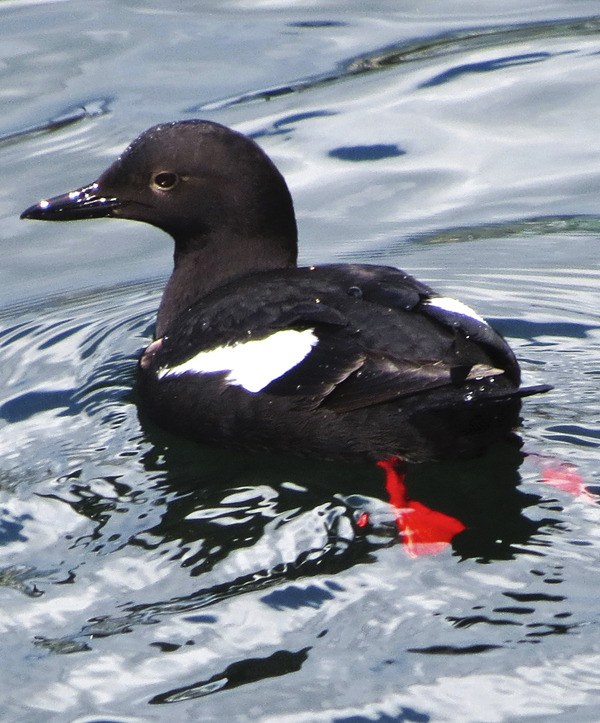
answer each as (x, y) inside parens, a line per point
(378, 338)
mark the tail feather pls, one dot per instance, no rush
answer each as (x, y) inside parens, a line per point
(536, 389)
(464, 425)
(519, 393)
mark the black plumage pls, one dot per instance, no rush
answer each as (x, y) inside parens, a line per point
(392, 368)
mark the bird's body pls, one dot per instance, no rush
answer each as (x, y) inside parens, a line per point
(337, 361)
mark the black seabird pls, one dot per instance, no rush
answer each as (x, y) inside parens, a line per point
(340, 361)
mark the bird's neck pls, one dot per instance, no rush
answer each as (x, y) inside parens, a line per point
(202, 267)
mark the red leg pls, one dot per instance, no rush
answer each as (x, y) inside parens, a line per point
(395, 474)
(424, 531)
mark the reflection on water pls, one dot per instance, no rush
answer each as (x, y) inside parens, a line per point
(138, 570)
(203, 554)
(69, 117)
(448, 44)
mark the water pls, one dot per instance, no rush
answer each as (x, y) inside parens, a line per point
(144, 577)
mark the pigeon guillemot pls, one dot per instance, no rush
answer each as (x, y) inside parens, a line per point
(339, 361)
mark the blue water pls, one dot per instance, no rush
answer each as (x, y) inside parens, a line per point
(144, 577)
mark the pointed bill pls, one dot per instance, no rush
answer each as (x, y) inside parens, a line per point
(86, 202)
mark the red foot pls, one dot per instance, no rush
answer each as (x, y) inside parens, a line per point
(563, 476)
(566, 478)
(424, 531)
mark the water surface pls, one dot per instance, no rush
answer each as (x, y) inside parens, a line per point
(144, 577)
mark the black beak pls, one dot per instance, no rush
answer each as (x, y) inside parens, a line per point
(86, 202)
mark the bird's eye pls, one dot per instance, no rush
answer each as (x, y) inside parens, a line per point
(165, 180)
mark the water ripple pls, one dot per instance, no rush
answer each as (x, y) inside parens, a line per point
(446, 44)
(64, 119)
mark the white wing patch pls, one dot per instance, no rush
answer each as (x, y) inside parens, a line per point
(454, 307)
(251, 364)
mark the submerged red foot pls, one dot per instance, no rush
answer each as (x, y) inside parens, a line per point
(565, 477)
(424, 531)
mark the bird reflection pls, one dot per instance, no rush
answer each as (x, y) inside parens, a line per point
(230, 523)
